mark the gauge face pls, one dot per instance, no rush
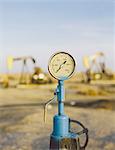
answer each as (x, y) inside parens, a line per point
(61, 65)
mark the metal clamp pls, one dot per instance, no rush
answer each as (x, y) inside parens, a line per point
(84, 131)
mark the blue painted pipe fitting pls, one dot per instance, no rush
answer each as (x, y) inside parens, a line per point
(60, 126)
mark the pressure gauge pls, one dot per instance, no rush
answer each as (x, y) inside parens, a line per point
(61, 65)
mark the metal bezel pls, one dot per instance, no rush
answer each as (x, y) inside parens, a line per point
(70, 74)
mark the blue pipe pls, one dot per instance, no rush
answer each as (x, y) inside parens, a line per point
(60, 97)
(60, 121)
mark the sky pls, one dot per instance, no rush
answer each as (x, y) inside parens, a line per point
(40, 28)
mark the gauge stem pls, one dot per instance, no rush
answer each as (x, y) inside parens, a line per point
(60, 96)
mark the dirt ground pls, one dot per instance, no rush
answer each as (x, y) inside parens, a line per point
(21, 115)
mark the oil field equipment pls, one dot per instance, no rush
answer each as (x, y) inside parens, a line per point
(96, 68)
(61, 67)
(4, 81)
(38, 76)
(24, 75)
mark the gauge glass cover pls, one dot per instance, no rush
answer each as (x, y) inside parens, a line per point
(61, 65)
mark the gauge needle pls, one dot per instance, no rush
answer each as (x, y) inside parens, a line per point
(61, 66)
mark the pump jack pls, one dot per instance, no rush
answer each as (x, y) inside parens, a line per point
(96, 68)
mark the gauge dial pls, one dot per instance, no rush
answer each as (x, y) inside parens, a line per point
(61, 65)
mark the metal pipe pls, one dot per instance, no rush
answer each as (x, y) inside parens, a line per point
(60, 97)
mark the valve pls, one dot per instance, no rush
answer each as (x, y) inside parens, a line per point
(83, 131)
(61, 67)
